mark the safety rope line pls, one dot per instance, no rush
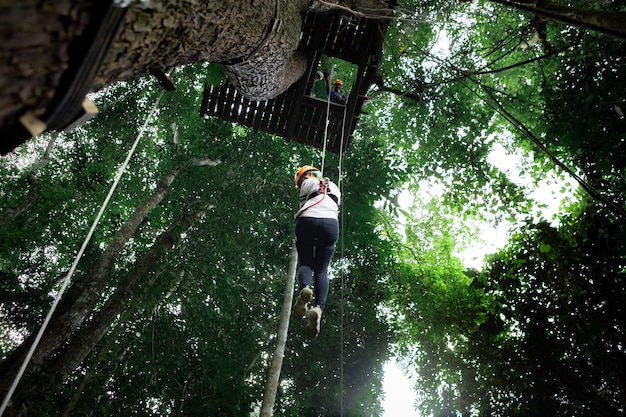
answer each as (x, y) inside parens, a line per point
(332, 68)
(342, 270)
(66, 280)
(342, 266)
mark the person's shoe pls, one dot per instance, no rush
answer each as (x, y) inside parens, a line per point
(299, 310)
(315, 318)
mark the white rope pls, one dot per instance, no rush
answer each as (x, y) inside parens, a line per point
(342, 272)
(339, 184)
(66, 280)
(332, 68)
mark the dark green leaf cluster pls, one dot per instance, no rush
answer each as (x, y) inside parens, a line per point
(552, 338)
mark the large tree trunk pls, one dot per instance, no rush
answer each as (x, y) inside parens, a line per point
(41, 41)
(53, 55)
(255, 39)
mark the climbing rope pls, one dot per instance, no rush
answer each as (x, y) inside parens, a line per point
(67, 278)
(341, 273)
(341, 268)
(332, 68)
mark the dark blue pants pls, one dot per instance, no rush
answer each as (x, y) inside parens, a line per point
(315, 241)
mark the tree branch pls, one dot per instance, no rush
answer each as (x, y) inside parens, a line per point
(526, 132)
(609, 23)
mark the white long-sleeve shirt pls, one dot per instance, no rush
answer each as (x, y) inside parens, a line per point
(321, 206)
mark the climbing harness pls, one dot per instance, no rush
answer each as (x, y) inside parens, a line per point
(322, 189)
(67, 278)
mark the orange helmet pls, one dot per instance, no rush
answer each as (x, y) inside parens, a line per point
(303, 170)
(339, 82)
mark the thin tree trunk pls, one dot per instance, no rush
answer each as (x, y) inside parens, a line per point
(90, 372)
(84, 294)
(85, 340)
(273, 376)
(111, 339)
(40, 383)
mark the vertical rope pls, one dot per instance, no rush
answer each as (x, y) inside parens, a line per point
(332, 67)
(340, 183)
(66, 280)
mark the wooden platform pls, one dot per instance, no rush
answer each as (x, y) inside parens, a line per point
(296, 116)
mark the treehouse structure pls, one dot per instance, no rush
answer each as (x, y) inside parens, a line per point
(294, 114)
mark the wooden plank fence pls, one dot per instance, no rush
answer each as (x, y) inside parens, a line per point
(296, 116)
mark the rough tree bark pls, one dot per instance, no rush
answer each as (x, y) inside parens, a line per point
(41, 39)
(260, 36)
(257, 41)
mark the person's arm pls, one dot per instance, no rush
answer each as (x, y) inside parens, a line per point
(309, 186)
(329, 86)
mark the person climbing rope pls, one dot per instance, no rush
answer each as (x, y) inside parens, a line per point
(317, 231)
